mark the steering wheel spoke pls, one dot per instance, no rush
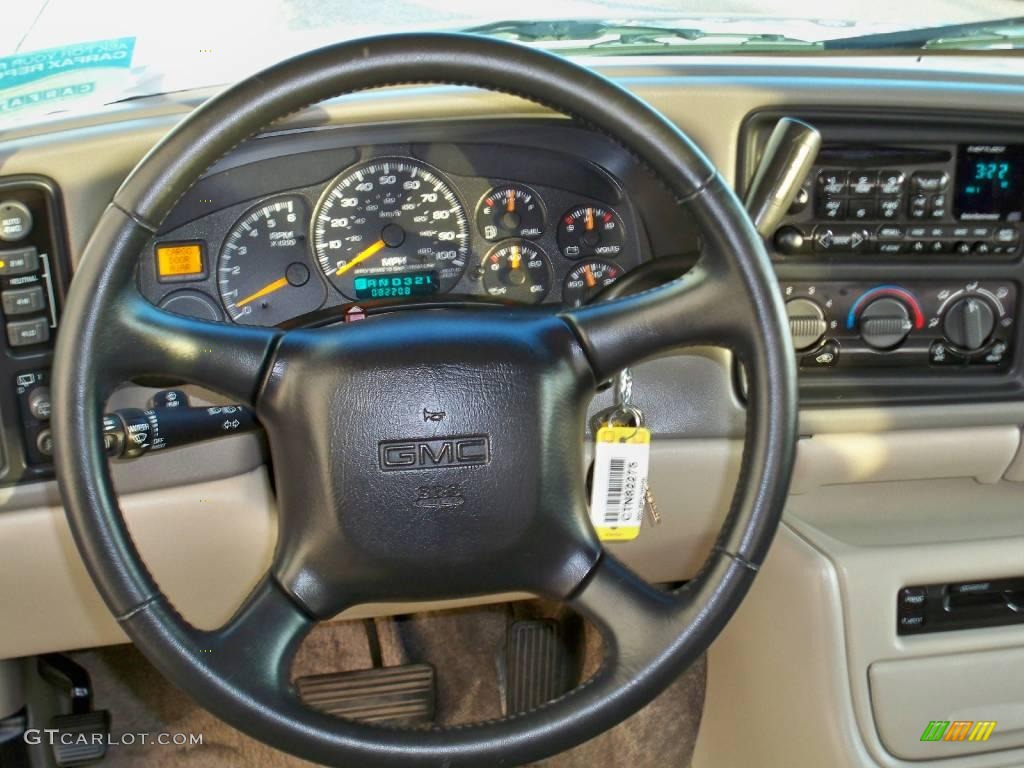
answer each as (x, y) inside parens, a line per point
(698, 308)
(231, 359)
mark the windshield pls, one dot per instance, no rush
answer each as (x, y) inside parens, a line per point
(58, 56)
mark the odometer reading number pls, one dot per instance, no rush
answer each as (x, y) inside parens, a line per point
(391, 228)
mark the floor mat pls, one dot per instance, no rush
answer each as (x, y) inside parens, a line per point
(464, 646)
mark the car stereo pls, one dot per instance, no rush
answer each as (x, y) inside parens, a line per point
(883, 201)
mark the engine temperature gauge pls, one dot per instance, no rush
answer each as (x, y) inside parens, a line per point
(517, 270)
(587, 279)
(510, 210)
(590, 230)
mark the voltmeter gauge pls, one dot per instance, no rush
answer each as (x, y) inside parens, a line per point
(517, 270)
(264, 274)
(510, 210)
(589, 231)
(587, 279)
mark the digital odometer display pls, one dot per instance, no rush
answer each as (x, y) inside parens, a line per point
(388, 218)
(989, 182)
(395, 286)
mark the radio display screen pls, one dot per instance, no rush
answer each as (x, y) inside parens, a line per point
(989, 182)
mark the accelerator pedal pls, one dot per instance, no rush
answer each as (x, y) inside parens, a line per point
(83, 734)
(405, 695)
(539, 665)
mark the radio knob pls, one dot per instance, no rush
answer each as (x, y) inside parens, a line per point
(806, 323)
(969, 323)
(885, 323)
(790, 241)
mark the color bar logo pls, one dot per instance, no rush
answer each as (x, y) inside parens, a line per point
(958, 730)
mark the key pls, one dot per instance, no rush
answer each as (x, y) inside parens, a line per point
(650, 506)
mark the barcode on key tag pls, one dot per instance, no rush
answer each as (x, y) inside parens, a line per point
(621, 458)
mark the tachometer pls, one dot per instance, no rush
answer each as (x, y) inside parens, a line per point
(394, 225)
(264, 272)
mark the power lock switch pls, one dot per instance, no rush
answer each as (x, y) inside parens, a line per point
(129, 433)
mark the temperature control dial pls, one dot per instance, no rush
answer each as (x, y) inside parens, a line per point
(969, 323)
(806, 323)
(885, 323)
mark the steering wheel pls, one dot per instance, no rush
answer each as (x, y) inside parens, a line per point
(334, 401)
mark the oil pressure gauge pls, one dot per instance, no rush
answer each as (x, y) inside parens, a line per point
(517, 270)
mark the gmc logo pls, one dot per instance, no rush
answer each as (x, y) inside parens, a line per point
(469, 450)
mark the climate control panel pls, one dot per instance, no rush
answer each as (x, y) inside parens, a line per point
(935, 324)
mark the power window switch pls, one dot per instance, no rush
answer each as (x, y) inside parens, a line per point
(23, 301)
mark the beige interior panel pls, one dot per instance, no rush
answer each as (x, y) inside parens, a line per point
(907, 695)
(937, 531)
(1015, 472)
(983, 453)
(778, 690)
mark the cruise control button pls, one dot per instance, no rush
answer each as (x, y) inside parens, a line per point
(24, 333)
(832, 182)
(890, 182)
(23, 301)
(863, 182)
(18, 262)
(930, 181)
(15, 221)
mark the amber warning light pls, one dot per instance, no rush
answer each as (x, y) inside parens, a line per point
(179, 260)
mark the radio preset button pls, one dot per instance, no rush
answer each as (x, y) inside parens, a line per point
(832, 208)
(863, 182)
(890, 182)
(861, 210)
(832, 182)
(889, 207)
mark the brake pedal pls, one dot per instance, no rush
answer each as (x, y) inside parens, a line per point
(539, 666)
(82, 736)
(405, 694)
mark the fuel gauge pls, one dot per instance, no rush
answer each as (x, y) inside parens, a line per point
(587, 279)
(510, 210)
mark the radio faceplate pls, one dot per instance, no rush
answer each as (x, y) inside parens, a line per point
(945, 201)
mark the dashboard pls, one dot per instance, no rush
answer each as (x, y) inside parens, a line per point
(309, 228)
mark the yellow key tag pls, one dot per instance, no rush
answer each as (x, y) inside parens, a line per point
(621, 459)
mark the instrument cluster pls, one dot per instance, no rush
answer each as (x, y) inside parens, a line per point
(394, 228)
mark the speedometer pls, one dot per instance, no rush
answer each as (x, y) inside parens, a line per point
(390, 228)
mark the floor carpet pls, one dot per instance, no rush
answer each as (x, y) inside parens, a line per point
(466, 648)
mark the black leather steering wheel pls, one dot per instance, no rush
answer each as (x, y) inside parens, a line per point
(349, 530)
